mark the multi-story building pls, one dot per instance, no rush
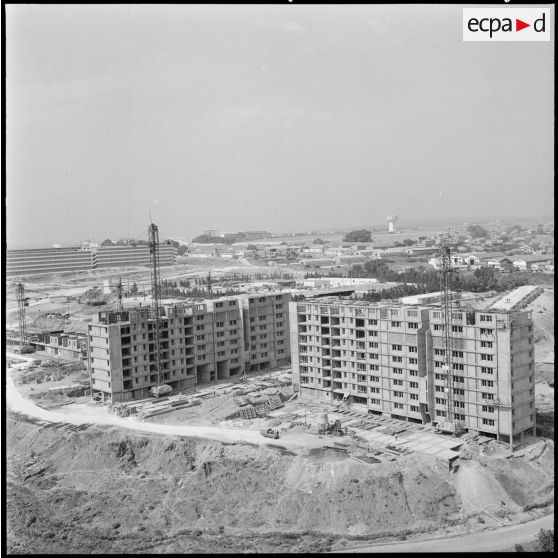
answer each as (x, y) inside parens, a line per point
(58, 343)
(74, 259)
(266, 330)
(122, 256)
(49, 260)
(199, 343)
(390, 360)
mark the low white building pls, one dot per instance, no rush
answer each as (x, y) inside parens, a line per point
(426, 298)
(322, 282)
(533, 262)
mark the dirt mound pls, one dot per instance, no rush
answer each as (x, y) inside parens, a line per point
(106, 490)
(504, 485)
(91, 489)
(543, 319)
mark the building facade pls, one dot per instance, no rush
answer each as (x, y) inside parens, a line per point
(199, 343)
(266, 330)
(75, 259)
(123, 256)
(390, 360)
(49, 260)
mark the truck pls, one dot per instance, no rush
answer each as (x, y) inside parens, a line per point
(270, 433)
(163, 389)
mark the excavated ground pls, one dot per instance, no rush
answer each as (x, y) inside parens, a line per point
(106, 490)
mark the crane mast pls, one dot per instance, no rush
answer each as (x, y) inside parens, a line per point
(153, 234)
(21, 304)
(120, 306)
(446, 308)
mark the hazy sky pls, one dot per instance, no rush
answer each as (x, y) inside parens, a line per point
(279, 117)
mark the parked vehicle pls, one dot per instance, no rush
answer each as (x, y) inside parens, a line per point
(270, 433)
(156, 391)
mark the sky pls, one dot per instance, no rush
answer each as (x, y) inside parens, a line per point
(281, 117)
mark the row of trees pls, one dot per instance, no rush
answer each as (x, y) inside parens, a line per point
(229, 239)
(428, 280)
(360, 235)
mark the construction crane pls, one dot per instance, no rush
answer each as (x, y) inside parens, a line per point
(119, 289)
(209, 283)
(153, 235)
(448, 425)
(22, 302)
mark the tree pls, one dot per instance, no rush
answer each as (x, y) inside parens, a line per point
(319, 241)
(107, 242)
(361, 235)
(476, 231)
(545, 541)
(134, 288)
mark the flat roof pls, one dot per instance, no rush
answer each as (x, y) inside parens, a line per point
(508, 301)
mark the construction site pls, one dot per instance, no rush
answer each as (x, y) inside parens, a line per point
(131, 449)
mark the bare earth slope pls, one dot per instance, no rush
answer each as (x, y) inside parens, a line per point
(104, 489)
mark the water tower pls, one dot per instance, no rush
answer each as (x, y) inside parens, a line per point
(392, 219)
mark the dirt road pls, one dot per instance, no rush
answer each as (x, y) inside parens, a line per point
(86, 414)
(490, 541)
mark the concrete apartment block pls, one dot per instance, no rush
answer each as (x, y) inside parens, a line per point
(389, 359)
(49, 260)
(266, 330)
(122, 348)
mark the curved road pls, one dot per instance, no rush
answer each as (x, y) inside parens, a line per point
(487, 541)
(99, 415)
(494, 540)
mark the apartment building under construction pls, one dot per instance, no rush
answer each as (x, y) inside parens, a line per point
(390, 359)
(199, 343)
(266, 330)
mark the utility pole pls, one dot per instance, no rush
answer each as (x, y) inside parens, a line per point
(153, 233)
(446, 308)
(209, 283)
(21, 304)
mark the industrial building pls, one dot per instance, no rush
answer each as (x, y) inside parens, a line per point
(390, 360)
(199, 343)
